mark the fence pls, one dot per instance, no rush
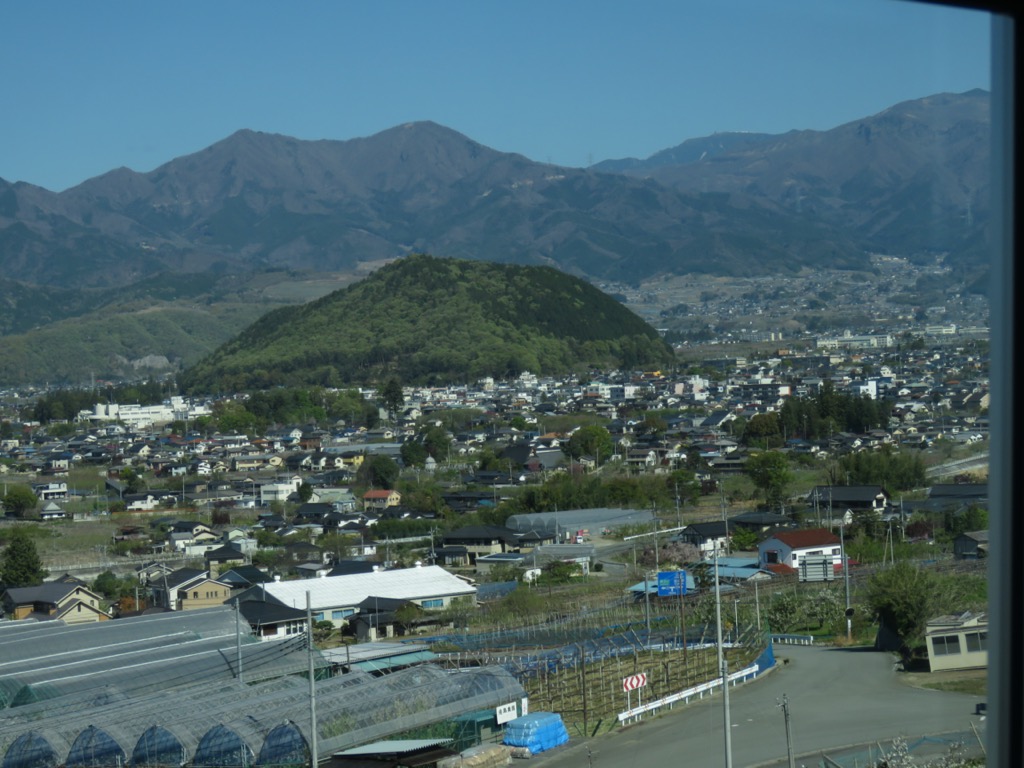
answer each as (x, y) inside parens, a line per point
(708, 687)
(793, 639)
(925, 750)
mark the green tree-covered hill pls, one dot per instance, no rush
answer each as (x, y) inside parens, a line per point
(428, 319)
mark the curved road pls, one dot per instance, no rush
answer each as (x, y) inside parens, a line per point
(836, 697)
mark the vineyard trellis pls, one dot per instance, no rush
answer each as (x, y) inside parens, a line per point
(574, 663)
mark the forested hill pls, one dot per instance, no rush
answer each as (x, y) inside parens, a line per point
(434, 320)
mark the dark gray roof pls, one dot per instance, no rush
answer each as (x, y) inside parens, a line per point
(843, 494)
(711, 529)
(959, 491)
(259, 613)
(345, 567)
(180, 576)
(48, 592)
(755, 517)
(244, 576)
(481, 532)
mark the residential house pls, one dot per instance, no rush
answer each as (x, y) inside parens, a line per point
(482, 540)
(792, 548)
(147, 501)
(50, 491)
(452, 556)
(270, 620)
(381, 499)
(187, 589)
(304, 552)
(271, 492)
(153, 571)
(708, 537)
(352, 460)
(945, 496)
(857, 498)
(485, 564)
(382, 617)
(70, 601)
(243, 576)
(641, 459)
(223, 558)
(759, 522)
(314, 570)
(185, 534)
(52, 511)
(312, 512)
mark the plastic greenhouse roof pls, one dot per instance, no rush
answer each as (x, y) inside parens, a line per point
(352, 709)
(96, 656)
(112, 635)
(211, 661)
(9, 629)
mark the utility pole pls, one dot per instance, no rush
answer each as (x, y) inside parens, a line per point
(679, 513)
(647, 606)
(583, 685)
(238, 639)
(757, 605)
(682, 619)
(846, 580)
(723, 667)
(789, 732)
(313, 746)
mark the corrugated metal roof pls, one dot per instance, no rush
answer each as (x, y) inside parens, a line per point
(366, 651)
(390, 662)
(395, 746)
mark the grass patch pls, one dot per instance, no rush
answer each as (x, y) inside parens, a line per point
(975, 686)
(970, 681)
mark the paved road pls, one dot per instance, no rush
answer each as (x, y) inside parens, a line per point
(836, 697)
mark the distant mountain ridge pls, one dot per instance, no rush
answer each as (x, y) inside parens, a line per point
(725, 204)
(690, 151)
(911, 179)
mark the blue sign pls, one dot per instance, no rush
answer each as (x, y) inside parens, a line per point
(671, 583)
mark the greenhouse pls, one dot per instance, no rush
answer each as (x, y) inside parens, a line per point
(166, 667)
(236, 724)
(28, 642)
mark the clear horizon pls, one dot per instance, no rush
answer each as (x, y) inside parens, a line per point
(564, 81)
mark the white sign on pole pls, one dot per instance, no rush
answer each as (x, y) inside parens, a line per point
(633, 682)
(505, 712)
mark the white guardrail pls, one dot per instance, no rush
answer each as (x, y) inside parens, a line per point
(685, 696)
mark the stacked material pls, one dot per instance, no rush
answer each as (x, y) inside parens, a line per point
(537, 732)
(482, 756)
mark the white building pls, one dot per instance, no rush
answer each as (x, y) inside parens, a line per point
(50, 491)
(336, 598)
(957, 642)
(790, 548)
(139, 416)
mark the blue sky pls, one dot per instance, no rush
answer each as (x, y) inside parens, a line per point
(88, 87)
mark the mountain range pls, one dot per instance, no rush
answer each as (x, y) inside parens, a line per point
(911, 181)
